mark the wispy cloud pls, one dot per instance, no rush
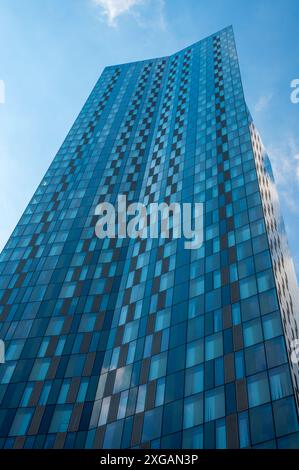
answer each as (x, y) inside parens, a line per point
(112, 9)
(151, 15)
(285, 161)
(146, 13)
(296, 158)
(263, 103)
(2, 92)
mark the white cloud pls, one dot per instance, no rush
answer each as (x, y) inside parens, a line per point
(263, 103)
(284, 156)
(285, 162)
(114, 8)
(148, 14)
(2, 92)
(296, 158)
(152, 15)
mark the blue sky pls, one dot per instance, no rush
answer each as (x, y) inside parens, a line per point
(52, 52)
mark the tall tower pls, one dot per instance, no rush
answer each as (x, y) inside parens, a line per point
(121, 342)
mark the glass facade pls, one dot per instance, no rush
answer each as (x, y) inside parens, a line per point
(129, 343)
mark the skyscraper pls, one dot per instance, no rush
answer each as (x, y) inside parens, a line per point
(128, 343)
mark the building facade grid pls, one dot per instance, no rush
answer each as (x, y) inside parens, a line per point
(129, 343)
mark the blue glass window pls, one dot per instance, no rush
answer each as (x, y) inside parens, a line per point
(258, 389)
(68, 291)
(214, 346)
(195, 328)
(122, 407)
(193, 438)
(14, 350)
(214, 404)
(262, 261)
(40, 369)
(213, 300)
(104, 411)
(122, 379)
(250, 308)
(87, 323)
(75, 365)
(239, 364)
(60, 345)
(265, 280)
(193, 411)
(252, 332)
(45, 393)
(194, 381)
(158, 366)
(280, 382)
(285, 416)
(160, 391)
(113, 435)
(172, 417)
(43, 347)
(195, 353)
(197, 286)
(27, 395)
(236, 314)
(61, 418)
(246, 267)
(247, 287)
(289, 442)
(272, 325)
(195, 307)
(6, 372)
(152, 424)
(141, 398)
(55, 326)
(244, 434)
(21, 422)
(233, 273)
(174, 386)
(255, 359)
(220, 434)
(64, 392)
(176, 359)
(219, 371)
(276, 351)
(268, 301)
(82, 390)
(217, 321)
(131, 330)
(162, 320)
(261, 424)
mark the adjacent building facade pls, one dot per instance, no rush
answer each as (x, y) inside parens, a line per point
(129, 343)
